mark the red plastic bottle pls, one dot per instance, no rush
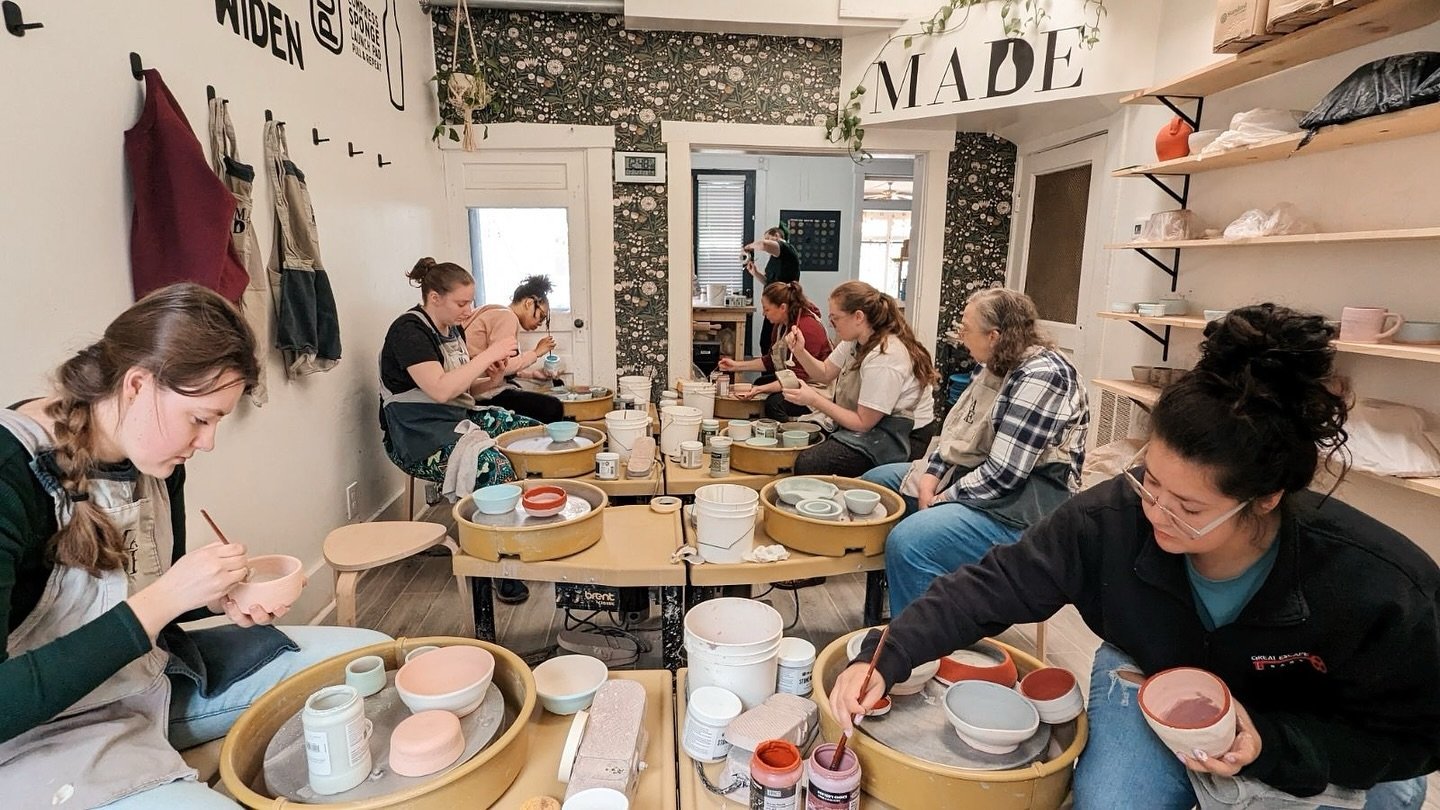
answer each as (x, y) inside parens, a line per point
(775, 772)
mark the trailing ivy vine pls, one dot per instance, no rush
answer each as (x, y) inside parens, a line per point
(844, 126)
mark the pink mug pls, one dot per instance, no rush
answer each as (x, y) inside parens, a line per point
(1367, 324)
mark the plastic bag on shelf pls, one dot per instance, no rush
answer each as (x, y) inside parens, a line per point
(1252, 127)
(1172, 226)
(1383, 86)
(1282, 220)
(1387, 438)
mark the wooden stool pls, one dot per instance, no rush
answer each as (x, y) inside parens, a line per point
(354, 549)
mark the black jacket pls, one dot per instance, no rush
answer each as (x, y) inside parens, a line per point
(1336, 658)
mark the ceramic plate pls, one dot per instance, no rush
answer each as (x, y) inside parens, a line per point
(285, 772)
(543, 444)
(917, 726)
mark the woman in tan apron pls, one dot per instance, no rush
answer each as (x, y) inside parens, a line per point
(528, 310)
(428, 382)
(98, 685)
(880, 376)
(785, 306)
(1010, 450)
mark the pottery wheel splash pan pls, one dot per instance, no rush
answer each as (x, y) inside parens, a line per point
(285, 769)
(916, 725)
(535, 456)
(518, 534)
(832, 538)
(766, 460)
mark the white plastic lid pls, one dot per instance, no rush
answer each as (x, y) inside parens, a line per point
(608, 456)
(796, 652)
(691, 445)
(721, 441)
(714, 705)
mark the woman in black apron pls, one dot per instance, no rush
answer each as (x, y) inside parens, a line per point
(881, 376)
(98, 684)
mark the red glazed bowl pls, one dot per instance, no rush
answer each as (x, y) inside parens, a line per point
(982, 661)
(544, 501)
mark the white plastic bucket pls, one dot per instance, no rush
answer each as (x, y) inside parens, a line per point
(734, 644)
(636, 386)
(701, 396)
(678, 423)
(623, 428)
(715, 294)
(725, 522)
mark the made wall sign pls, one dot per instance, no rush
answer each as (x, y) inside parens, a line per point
(975, 66)
(364, 30)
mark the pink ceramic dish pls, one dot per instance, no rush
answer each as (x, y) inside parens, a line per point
(1189, 709)
(544, 501)
(425, 743)
(451, 678)
(275, 582)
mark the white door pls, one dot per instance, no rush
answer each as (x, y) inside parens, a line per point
(522, 214)
(1058, 237)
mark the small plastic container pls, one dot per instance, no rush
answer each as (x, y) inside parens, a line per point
(719, 457)
(709, 429)
(776, 769)
(837, 789)
(692, 455)
(707, 715)
(797, 664)
(607, 466)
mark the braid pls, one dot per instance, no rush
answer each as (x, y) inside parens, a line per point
(89, 540)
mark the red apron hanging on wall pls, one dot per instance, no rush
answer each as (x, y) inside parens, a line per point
(180, 230)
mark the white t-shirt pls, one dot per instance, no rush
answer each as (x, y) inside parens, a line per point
(887, 380)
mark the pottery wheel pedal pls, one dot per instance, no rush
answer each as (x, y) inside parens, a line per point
(606, 745)
(642, 457)
(615, 651)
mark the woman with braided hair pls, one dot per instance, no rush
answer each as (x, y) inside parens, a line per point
(99, 686)
(786, 308)
(1211, 551)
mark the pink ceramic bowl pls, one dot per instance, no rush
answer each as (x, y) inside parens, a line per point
(544, 501)
(1189, 709)
(275, 582)
(453, 679)
(982, 661)
(425, 743)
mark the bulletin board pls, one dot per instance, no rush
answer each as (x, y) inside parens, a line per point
(815, 235)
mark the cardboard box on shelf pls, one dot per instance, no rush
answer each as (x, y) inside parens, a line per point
(1240, 25)
(1286, 16)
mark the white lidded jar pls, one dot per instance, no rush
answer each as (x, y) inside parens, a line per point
(707, 714)
(797, 665)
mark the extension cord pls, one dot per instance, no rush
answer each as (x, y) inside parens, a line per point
(613, 650)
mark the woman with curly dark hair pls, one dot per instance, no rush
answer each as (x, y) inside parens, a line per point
(1212, 552)
(1010, 450)
(528, 310)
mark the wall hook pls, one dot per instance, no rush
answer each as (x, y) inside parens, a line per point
(137, 68)
(210, 94)
(315, 136)
(269, 116)
(15, 19)
(353, 151)
(380, 159)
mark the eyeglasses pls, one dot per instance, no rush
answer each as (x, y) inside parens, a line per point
(1149, 498)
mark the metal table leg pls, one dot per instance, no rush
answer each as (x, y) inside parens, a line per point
(672, 616)
(482, 597)
(875, 588)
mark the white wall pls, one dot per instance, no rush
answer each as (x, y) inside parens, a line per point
(1376, 186)
(277, 478)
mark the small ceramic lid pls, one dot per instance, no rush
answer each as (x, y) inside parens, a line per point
(425, 742)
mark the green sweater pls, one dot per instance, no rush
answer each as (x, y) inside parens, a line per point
(40, 684)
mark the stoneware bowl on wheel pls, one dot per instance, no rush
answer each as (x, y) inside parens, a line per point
(453, 679)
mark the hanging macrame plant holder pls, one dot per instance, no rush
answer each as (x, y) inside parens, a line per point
(467, 92)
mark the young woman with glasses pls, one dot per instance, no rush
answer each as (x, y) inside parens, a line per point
(1212, 552)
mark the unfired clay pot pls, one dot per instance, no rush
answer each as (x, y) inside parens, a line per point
(450, 678)
(275, 582)
(425, 743)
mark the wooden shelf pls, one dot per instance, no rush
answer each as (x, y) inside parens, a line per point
(1403, 235)
(1146, 395)
(1351, 29)
(1427, 486)
(1397, 351)
(1376, 129)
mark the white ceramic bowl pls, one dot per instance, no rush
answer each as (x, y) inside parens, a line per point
(600, 798)
(1151, 310)
(1215, 314)
(567, 683)
(919, 676)
(819, 509)
(989, 717)
(451, 678)
(861, 501)
(1122, 306)
(498, 499)
(794, 490)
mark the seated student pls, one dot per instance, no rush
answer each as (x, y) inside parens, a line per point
(427, 385)
(94, 572)
(881, 378)
(785, 306)
(529, 308)
(1213, 553)
(1010, 451)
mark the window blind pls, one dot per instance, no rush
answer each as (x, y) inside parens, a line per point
(719, 229)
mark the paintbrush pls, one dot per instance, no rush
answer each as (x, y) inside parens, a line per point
(226, 541)
(845, 738)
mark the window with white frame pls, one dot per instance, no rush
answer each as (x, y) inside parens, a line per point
(885, 233)
(724, 223)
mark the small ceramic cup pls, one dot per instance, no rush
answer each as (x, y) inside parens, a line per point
(419, 651)
(739, 429)
(794, 438)
(861, 501)
(1189, 709)
(366, 674)
(1055, 694)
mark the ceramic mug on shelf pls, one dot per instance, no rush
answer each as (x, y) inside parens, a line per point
(1368, 324)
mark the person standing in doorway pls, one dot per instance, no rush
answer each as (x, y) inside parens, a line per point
(783, 266)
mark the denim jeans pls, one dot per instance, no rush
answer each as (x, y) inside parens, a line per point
(932, 542)
(1124, 763)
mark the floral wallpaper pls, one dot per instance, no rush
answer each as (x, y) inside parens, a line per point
(575, 68)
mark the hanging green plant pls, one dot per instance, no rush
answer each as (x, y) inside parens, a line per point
(465, 89)
(844, 126)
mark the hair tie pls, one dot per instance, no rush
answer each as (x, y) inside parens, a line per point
(77, 497)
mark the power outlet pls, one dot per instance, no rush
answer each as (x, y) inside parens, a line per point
(352, 500)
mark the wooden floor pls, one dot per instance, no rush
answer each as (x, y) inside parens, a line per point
(418, 597)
